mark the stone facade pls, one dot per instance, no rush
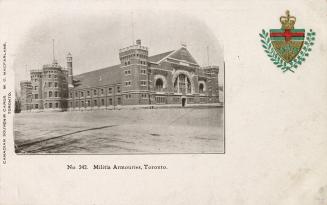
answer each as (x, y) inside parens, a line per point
(47, 90)
(139, 79)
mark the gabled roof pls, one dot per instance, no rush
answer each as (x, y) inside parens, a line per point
(184, 55)
(101, 77)
(112, 75)
(158, 57)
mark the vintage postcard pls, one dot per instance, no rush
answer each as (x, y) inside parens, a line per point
(163, 102)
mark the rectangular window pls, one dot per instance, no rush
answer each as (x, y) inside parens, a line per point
(143, 83)
(88, 103)
(36, 106)
(118, 101)
(49, 76)
(71, 94)
(50, 84)
(110, 90)
(50, 94)
(56, 94)
(35, 87)
(88, 93)
(143, 71)
(102, 101)
(118, 89)
(36, 96)
(82, 94)
(95, 92)
(102, 91)
(95, 103)
(127, 72)
(76, 94)
(56, 84)
(82, 102)
(57, 105)
(127, 83)
(110, 101)
(71, 104)
(50, 105)
(55, 76)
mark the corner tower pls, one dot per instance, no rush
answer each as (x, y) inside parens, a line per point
(135, 79)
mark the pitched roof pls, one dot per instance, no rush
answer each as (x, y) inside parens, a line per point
(160, 56)
(101, 77)
(184, 55)
(112, 75)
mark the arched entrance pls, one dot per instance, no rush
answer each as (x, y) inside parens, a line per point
(183, 101)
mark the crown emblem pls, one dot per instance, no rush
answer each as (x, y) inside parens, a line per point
(287, 47)
(287, 21)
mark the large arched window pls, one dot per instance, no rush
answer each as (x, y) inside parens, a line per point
(182, 84)
(159, 84)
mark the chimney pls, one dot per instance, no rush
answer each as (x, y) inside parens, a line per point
(138, 42)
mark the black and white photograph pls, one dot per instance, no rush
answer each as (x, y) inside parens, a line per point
(128, 82)
(179, 102)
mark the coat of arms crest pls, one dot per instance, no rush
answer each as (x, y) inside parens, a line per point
(287, 47)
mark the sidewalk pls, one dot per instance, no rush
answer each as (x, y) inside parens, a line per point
(156, 106)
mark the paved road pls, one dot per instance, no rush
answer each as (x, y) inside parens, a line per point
(178, 130)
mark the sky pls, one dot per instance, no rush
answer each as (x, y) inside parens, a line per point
(94, 39)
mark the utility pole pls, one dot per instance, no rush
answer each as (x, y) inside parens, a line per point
(132, 28)
(53, 50)
(208, 55)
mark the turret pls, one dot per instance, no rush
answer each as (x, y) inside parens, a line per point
(134, 68)
(70, 70)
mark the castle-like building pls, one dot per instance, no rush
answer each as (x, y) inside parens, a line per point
(172, 77)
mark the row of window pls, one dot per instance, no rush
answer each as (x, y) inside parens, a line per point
(55, 94)
(95, 103)
(143, 95)
(143, 83)
(50, 84)
(133, 55)
(52, 71)
(128, 72)
(56, 105)
(128, 63)
(161, 100)
(39, 76)
(51, 94)
(95, 92)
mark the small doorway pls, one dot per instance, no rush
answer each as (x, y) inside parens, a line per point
(183, 102)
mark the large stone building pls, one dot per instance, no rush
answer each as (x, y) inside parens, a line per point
(172, 77)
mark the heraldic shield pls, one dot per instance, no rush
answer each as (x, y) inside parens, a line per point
(287, 47)
(287, 41)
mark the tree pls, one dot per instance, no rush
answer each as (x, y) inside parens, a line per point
(17, 103)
